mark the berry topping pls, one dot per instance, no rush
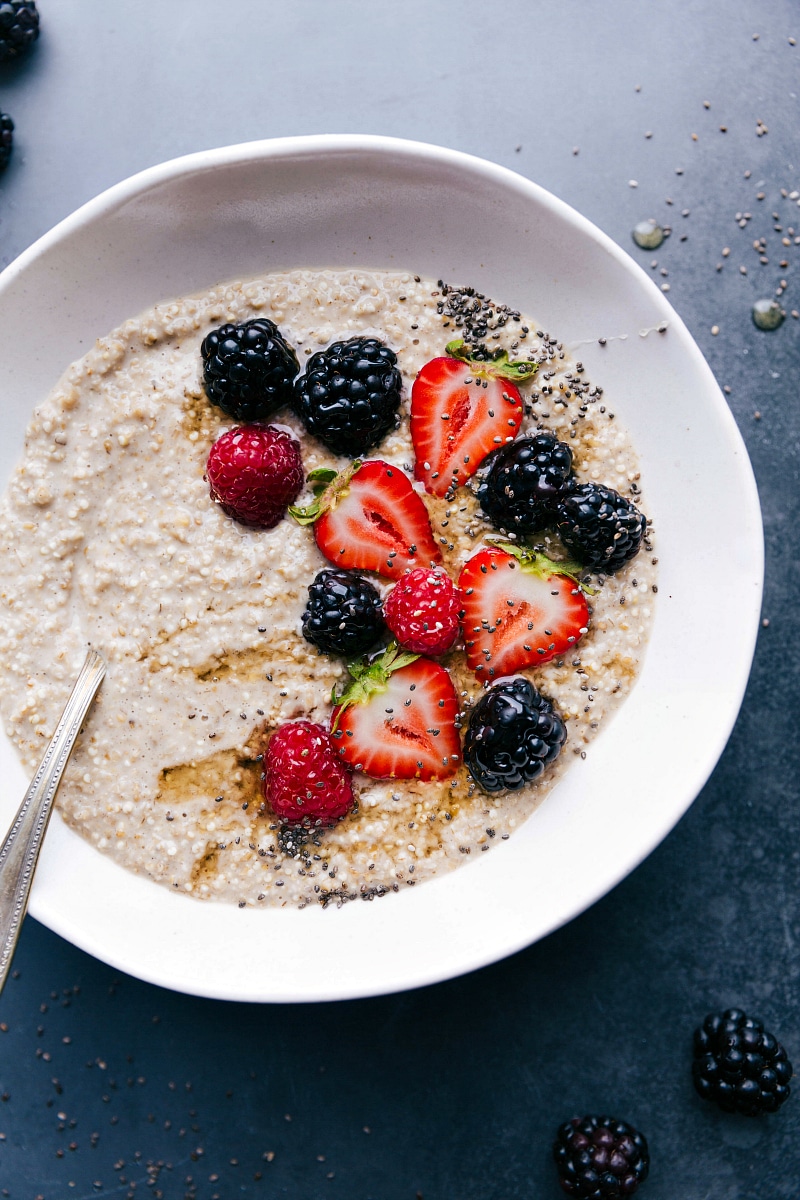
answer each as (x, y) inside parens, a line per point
(349, 395)
(462, 408)
(520, 609)
(739, 1064)
(248, 369)
(304, 780)
(343, 614)
(521, 483)
(397, 718)
(6, 139)
(600, 1158)
(599, 527)
(369, 518)
(513, 734)
(422, 611)
(255, 472)
(19, 27)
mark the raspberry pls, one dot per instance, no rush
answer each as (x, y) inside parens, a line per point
(600, 1158)
(19, 27)
(740, 1064)
(255, 472)
(422, 611)
(305, 782)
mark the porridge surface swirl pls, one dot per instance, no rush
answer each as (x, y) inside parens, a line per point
(110, 538)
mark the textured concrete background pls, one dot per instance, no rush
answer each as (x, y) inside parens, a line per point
(111, 1086)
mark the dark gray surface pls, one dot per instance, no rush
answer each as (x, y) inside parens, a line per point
(460, 1086)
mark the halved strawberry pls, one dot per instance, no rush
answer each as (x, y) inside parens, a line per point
(369, 518)
(397, 718)
(462, 408)
(520, 610)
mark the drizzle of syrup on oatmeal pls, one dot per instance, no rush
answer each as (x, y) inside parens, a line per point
(233, 774)
(248, 665)
(201, 418)
(224, 783)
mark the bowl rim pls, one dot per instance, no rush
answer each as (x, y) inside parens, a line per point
(310, 146)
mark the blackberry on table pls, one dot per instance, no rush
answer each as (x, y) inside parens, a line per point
(343, 614)
(520, 484)
(19, 27)
(739, 1064)
(602, 529)
(6, 139)
(600, 1158)
(349, 395)
(248, 369)
(513, 734)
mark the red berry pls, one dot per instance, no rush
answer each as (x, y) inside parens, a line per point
(520, 610)
(463, 408)
(305, 781)
(422, 611)
(369, 518)
(397, 720)
(255, 472)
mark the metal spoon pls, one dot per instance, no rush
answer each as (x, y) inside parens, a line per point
(23, 842)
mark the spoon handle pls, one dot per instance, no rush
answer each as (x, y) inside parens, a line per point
(20, 850)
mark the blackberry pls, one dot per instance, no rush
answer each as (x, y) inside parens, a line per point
(513, 734)
(248, 369)
(599, 527)
(19, 27)
(600, 1158)
(6, 139)
(739, 1064)
(343, 614)
(520, 484)
(349, 395)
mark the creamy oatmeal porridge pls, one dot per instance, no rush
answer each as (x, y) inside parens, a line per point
(110, 539)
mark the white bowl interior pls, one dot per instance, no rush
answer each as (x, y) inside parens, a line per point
(336, 201)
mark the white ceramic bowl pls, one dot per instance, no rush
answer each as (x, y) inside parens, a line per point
(335, 201)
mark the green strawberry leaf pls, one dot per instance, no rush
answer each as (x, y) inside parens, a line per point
(370, 677)
(321, 477)
(499, 366)
(328, 486)
(537, 563)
